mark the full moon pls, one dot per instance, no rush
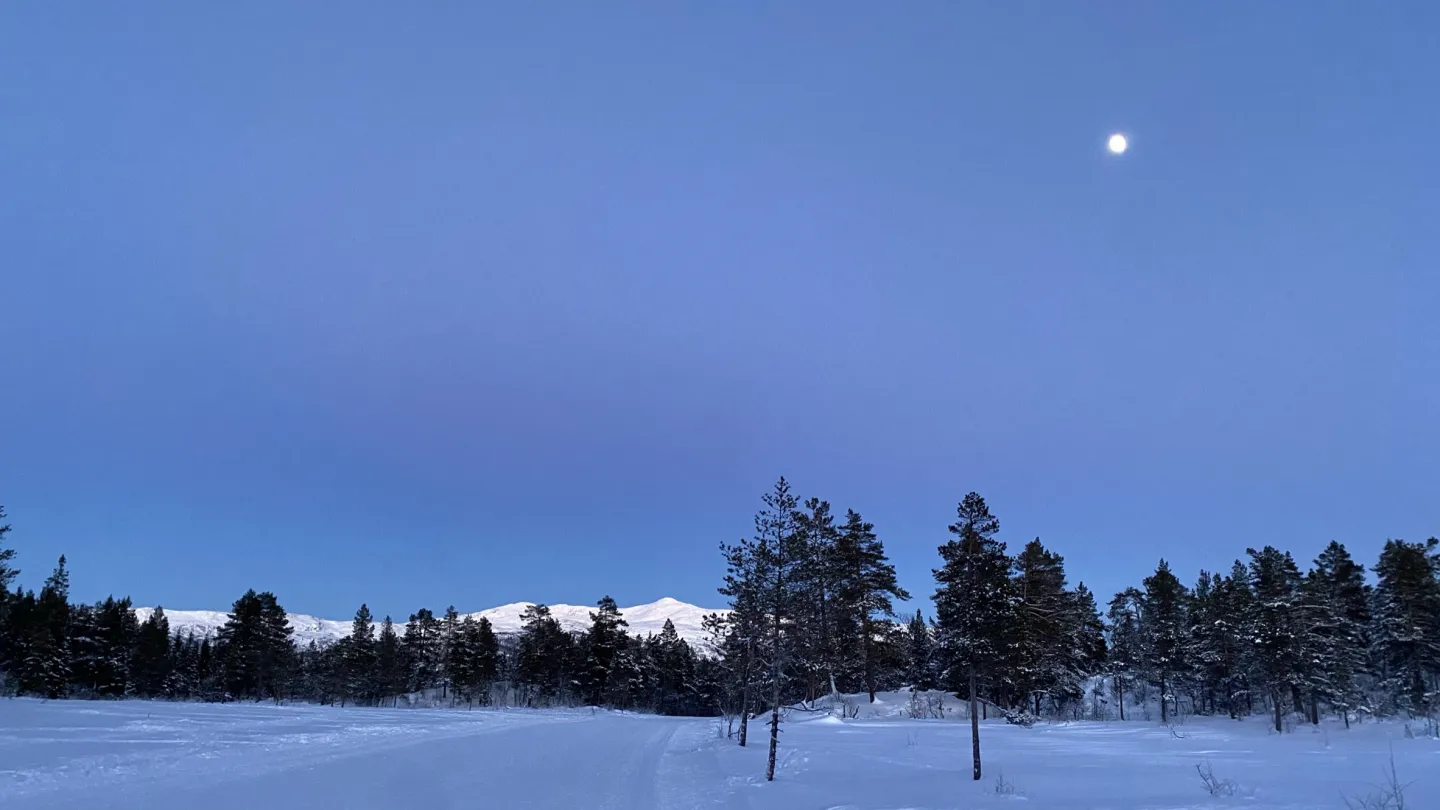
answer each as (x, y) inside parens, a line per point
(1118, 144)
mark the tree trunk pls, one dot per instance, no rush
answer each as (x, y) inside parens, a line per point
(974, 724)
(1037, 704)
(1164, 704)
(775, 670)
(745, 691)
(1314, 710)
(1279, 725)
(1120, 695)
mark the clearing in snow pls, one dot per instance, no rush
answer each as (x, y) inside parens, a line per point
(178, 756)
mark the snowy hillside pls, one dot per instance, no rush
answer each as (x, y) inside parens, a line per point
(643, 620)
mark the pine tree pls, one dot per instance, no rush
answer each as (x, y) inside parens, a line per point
(449, 634)
(1162, 634)
(9, 643)
(1277, 626)
(743, 627)
(865, 586)
(780, 554)
(1126, 643)
(390, 670)
(1336, 586)
(423, 650)
(358, 659)
(1407, 626)
(817, 657)
(603, 642)
(487, 659)
(255, 651)
(974, 606)
(543, 657)
(1084, 643)
(1040, 650)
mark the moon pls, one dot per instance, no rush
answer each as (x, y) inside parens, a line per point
(1117, 144)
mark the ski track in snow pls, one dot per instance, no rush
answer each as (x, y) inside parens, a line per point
(167, 756)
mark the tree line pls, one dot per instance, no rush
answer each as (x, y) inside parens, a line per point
(53, 648)
(812, 612)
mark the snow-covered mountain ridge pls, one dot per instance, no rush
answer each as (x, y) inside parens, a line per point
(643, 620)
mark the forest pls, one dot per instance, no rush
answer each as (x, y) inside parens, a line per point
(814, 612)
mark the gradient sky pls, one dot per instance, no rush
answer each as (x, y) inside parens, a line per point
(487, 302)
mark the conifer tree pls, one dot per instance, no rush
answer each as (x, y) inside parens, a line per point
(779, 554)
(603, 643)
(153, 659)
(1337, 587)
(1126, 644)
(45, 669)
(816, 656)
(487, 658)
(1162, 634)
(866, 587)
(390, 670)
(1040, 650)
(1407, 626)
(358, 659)
(974, 606)
(8, 641)
(1277, 628)
(920, 661)
(449, 635)
(423, 650)
(743, 627)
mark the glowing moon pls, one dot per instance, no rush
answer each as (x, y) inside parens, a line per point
(1118, 144)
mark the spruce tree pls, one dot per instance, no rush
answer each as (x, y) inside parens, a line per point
(975, 606)
(153, 659)
(45, 669)
(920, 658)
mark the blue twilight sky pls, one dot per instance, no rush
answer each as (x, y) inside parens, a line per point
(483, 302)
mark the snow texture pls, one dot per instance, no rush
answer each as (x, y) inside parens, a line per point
(172, 756)
(643, 620)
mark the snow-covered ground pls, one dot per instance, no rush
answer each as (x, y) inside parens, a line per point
(165, 756)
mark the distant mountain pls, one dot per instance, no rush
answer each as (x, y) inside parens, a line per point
(643, 620)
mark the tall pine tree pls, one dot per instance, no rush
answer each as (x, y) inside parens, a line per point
(975, 607)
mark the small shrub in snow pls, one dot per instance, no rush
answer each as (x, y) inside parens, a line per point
(1388, 796)
(926, 706)
(1020, 718)
(1004, 788)
(1213, 784)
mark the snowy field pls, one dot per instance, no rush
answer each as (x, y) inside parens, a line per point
(166, 756)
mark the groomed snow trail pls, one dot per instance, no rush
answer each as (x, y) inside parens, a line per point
(171, 757)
